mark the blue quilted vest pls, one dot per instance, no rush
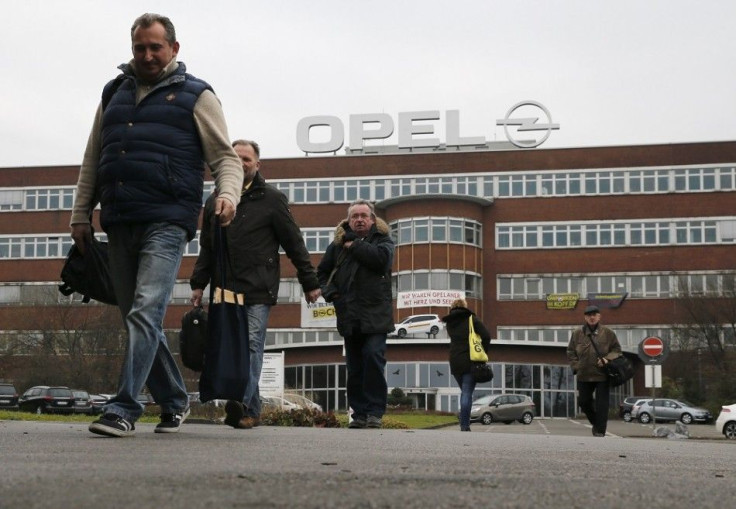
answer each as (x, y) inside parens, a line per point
(151, 163)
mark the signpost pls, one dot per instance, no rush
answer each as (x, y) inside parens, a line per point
(653, 351)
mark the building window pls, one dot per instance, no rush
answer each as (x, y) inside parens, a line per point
(617, 234)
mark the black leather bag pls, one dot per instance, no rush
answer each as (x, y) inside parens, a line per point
(482, 372)
(88, 274)
(620, 370)
(193, 338)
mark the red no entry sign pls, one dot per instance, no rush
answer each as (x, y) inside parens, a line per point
(653, 347)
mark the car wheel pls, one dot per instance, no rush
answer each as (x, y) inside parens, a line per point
(627, 416)
(526, 418)
(434, 330)
(401, 333)
(39, 409)
(686, 418)
(486, 418)
(729, 430)
(644, 418)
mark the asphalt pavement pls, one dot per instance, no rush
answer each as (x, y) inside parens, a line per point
(548, 464)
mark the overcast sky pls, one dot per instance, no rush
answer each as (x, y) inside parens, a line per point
(610, 73)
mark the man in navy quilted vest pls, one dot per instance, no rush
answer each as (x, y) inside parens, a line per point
(155, 129)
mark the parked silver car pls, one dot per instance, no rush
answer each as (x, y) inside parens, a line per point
(670, 410)
(505, 408)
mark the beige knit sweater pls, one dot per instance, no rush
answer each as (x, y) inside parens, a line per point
(219, 155)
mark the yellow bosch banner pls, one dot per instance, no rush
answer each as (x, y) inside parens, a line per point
(562, 300)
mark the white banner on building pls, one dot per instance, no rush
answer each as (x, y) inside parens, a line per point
(421, 298)
(272, 374)
(320, 314)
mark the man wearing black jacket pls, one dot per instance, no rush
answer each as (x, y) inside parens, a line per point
(357, 265)
(262, 223)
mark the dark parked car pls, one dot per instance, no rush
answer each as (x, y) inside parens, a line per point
(82, 402)
(43, 399)
(145, 399)
(505, 408)
(98, 401)
(8, 396)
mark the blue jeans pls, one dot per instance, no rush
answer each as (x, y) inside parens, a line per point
(366, 385)
(257, 323)
(144, 262)
(467, 386)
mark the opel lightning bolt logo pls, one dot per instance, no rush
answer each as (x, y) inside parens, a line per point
(527, 124)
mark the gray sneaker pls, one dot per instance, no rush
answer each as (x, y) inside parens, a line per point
(373, 422)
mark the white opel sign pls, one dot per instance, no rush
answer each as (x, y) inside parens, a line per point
(415, 129)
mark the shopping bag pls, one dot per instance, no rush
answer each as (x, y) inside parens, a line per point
(227, 354)
(477, 354)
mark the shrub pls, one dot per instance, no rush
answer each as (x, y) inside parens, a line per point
(302, 417)
(397, 398)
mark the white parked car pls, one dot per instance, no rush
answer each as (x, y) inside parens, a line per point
(302, 401)
(726, 422)
(279, 403)
(419, 324)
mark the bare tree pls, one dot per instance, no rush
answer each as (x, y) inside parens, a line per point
(80, 346)
(705, 333)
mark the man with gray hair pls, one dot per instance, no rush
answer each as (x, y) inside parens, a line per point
(262, 224)
(355, 274)
(155, 129)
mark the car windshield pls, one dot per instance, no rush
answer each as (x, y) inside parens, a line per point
(483, 400)
(6, 389)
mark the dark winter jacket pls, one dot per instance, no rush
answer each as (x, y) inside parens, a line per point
(151, 162)
(262, 223)
(362, 280)
(458, 328)
(583, 357)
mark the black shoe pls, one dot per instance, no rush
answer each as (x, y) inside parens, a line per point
(465, 429)
(358, 422)
(170, 423)
(373, 421)
(234, 411)
(112, 425)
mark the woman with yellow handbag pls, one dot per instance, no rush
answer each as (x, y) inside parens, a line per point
(459, 322)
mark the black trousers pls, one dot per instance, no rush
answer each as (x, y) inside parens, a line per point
(594, 408)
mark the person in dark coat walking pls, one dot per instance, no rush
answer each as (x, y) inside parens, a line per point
(263, 223)
(590, 369)
(458, 328)
(355, 274)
